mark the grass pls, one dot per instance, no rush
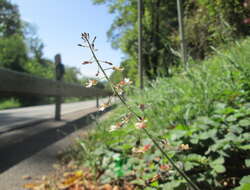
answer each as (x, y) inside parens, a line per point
(9, 103)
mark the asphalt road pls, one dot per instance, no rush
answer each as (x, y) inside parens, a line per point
(13, 118)
(32, 150)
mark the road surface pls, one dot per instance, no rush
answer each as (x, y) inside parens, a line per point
(34, 149)
(14, 118)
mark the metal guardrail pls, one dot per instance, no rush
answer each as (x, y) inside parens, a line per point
(16, 83)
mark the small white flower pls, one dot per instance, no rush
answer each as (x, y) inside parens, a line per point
(116, 126)
(127, 81)
(118, 68)
(104, 106)
(124, 82)
(141, 124)
(91, 83)
(143, 149)
(113, 128)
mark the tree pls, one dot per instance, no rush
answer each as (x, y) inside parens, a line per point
(10, 22)
(13, 51)
(13, 54)
(34, 43)
(159, 21)
(212, 23)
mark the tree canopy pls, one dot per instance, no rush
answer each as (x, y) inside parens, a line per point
(207, 23)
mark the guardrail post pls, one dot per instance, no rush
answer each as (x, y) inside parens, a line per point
(59, 76)
(97, 101)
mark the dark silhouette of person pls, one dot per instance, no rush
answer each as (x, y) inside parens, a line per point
(60, 70)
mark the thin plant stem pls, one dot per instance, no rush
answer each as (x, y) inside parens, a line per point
(110, 82)
(181, 172)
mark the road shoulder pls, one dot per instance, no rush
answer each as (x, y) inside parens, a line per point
(41, 162)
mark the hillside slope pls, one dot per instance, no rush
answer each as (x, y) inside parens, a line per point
(201, 119)
(202, 115)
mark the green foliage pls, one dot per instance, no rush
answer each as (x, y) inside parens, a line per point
(13, 54)
(9, 103)
(10, 23)
(210, 23)
(45, 70)
(130, 71)
(71, 75)
(206, 107)
(123, 33)
(207, 23)
(244, 183)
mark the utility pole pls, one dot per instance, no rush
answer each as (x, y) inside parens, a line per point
(182, 35)
(140, 56)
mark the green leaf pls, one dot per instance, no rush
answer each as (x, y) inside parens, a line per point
(244, 183)
(196, 158)
(236, 129)
(189, 165)
(219, 168)
(231, 118)
(155, 184)
(245, 147)
(243, 187)
(206, 120)
(247, 162)
(225, 111)
(173, 184)
(219, 160)
(217, 165)
(244, 122)
(138, 182)
(245, 179)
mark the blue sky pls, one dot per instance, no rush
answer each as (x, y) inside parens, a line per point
(59, 24)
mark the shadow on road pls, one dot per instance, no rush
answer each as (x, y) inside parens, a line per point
(7, 119)
(16, 152)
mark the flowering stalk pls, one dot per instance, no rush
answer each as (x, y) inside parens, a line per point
(141, 124)
(108, 79)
